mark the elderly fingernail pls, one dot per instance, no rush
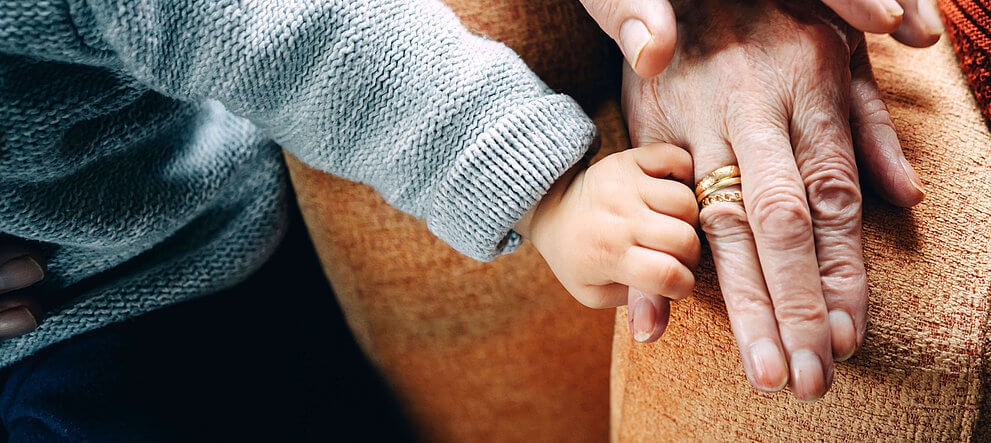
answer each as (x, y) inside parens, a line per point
(892, 8)
(913, 176)
(929, 16)
(767, 368)
(844, 335)
(20, 273)
(16, 322)
(634, 37)
(807, 375)
(644, 319)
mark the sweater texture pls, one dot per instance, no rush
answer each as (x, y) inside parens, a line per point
(139, 138)
(969, 26)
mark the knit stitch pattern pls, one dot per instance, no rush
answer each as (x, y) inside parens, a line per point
(969, 25)
(139, 138)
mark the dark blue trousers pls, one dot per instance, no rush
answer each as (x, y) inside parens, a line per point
(269, 359)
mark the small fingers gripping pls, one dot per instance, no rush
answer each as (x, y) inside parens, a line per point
(657, 267)
(655, 272)
(648, 315)
(661, 160)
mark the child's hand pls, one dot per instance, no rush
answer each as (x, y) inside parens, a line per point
(626, 221)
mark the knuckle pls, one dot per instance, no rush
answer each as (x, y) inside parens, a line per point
(810, 48)
(688, 242)
(834, 195)
(684, 199)
(680, 157)
(609, 244)
(749, 303)
(762, 132)
(822, 45)
(872, 111)
(757, 117)
(844, 278)
(665, 276)
(875, 109)
(781, 212)
(683, 194)
(725, 221)
(819, 124)
(797, 310)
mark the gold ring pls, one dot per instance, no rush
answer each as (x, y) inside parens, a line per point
(721, 184)
(725, 197)
(715, 176)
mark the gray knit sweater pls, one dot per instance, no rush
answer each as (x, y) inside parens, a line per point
(139, 137)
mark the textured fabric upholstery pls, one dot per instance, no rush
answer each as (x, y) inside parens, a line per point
(476, 351)
(483, 352)
(921, 372)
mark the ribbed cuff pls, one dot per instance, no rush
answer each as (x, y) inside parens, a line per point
(506, 171)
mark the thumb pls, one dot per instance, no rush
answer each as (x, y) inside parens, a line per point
(648, 315)
(645, 30)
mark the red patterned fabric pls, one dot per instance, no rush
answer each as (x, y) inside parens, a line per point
(969, 25)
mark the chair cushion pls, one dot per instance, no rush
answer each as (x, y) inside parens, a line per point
(478, 351)
(921, 371)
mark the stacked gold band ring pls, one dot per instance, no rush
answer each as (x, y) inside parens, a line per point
(717, 180)
(716, 175)
(721, 184)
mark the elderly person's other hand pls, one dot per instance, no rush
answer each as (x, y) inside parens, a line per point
(19, 269)
(645, 29)
(778, 93)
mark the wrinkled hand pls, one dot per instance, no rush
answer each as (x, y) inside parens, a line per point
(628, 220)
(645, 29)
(19, 269)
(779, 93)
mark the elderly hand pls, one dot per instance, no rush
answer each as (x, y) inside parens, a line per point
(645, 29)
(19, 269)
(779, 93)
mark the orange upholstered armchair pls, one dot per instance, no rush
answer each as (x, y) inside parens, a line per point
(499, 351)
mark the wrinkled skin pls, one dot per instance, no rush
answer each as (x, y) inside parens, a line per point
(645, 29)
(787, 97)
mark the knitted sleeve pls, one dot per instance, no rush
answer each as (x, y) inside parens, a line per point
(969, 25)
(447, 126)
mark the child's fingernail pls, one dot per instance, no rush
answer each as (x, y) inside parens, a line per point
(644, 319)
(16, 322)
(808, 376)
(768, 370)
(20, 273)
(844, 335)
(633, 37)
